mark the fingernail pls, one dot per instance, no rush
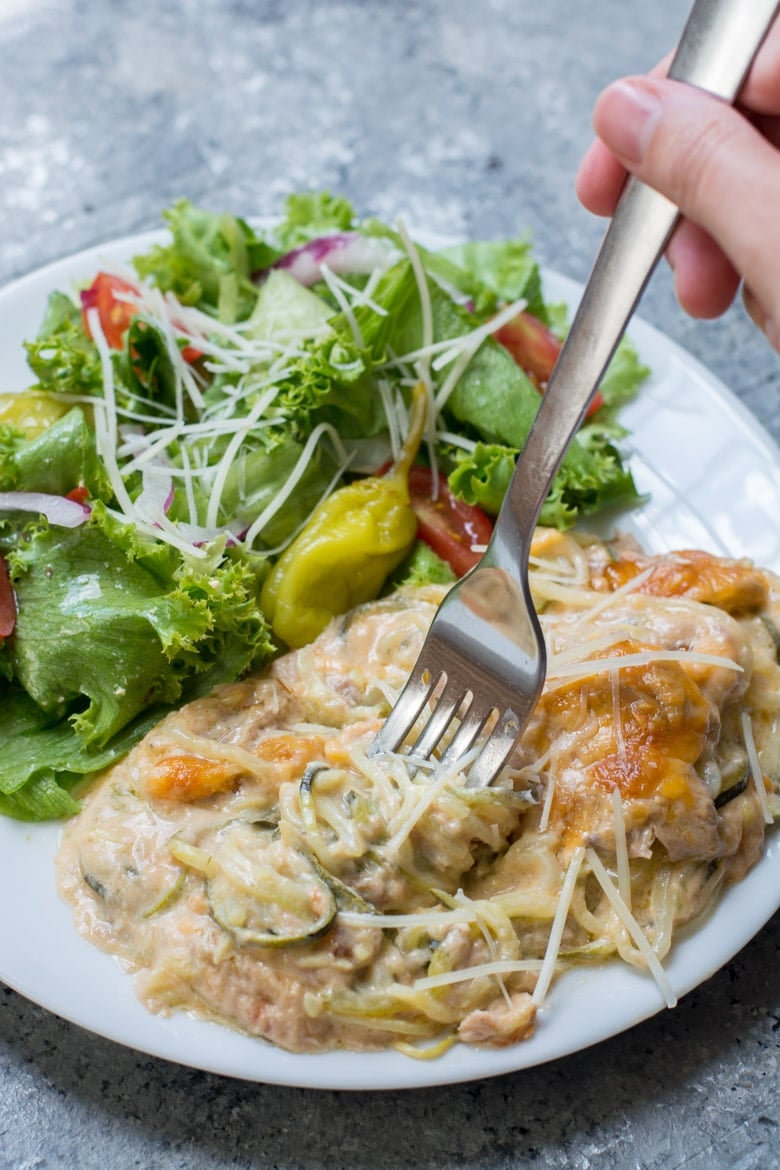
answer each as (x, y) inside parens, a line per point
(625, 118)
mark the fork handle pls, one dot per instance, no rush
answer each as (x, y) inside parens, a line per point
(715, 53)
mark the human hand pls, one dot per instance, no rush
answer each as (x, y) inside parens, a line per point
(719, 164)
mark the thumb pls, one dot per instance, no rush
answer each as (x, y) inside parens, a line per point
(709, 160)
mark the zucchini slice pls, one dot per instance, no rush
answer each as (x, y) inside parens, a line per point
(167, 899)
(728, 794)
(265, 893)
(346, 897)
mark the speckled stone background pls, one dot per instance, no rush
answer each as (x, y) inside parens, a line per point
(467, 116)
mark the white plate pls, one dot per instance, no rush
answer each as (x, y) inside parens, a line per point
(714, 481)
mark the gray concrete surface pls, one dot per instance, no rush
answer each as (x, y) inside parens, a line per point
(467, 116)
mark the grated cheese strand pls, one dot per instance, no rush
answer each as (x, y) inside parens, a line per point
(494, 967)
(231, 452)
(472, 340)
(581, 650)
(456, 440)
(617, 714)
(490, 942)
(106, 418)
(183, 374)
(606, 601)
(621, 847)
(643, 658)
(756, 770)
(633, 928)
(391, 415)
(558, 926)
(336, 287)
(544, 820)
(426, 308)
(421, 803)
(357, 296)
(281, 497)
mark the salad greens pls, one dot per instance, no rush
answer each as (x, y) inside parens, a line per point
(187, 418)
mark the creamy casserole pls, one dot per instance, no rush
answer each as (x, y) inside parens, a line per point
(249, 863)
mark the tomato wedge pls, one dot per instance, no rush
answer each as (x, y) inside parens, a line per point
(7, 602)
(535, 348)
(448, 525)
(108, 294)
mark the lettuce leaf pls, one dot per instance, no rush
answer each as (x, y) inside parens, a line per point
(591, 478)
(104, 631)
(256, 477)
(499, 271)
(422, 567)
(486, 274)
(62, 356)
(43, 759)
(310, 214)
(625, 374)
(493, 400)
(210, 261)
(334, 379)
(56, 461)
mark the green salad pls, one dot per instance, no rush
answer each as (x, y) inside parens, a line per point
(243, 434)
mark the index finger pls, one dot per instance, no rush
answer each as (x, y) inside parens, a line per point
(600, 177)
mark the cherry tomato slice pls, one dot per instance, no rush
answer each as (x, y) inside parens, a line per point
(535, 348)
(7, 602)
(448, 525)
(79, 494)
(106, 294)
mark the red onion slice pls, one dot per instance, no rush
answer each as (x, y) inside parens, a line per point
(58, 510)
(346, 252)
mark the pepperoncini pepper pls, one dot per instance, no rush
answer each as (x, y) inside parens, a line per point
(350, 545)
(32, 411)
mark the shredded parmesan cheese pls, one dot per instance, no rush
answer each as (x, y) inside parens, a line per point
(558, 925)
(564, 670)
(621, 848)
(495, 967)
(633, 928)
(756, 770)
(426, 308)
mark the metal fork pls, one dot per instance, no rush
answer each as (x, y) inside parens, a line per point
(483, 663)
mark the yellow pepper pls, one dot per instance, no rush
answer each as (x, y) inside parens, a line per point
(350, 545)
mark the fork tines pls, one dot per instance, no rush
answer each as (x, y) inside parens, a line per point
(453, 708)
